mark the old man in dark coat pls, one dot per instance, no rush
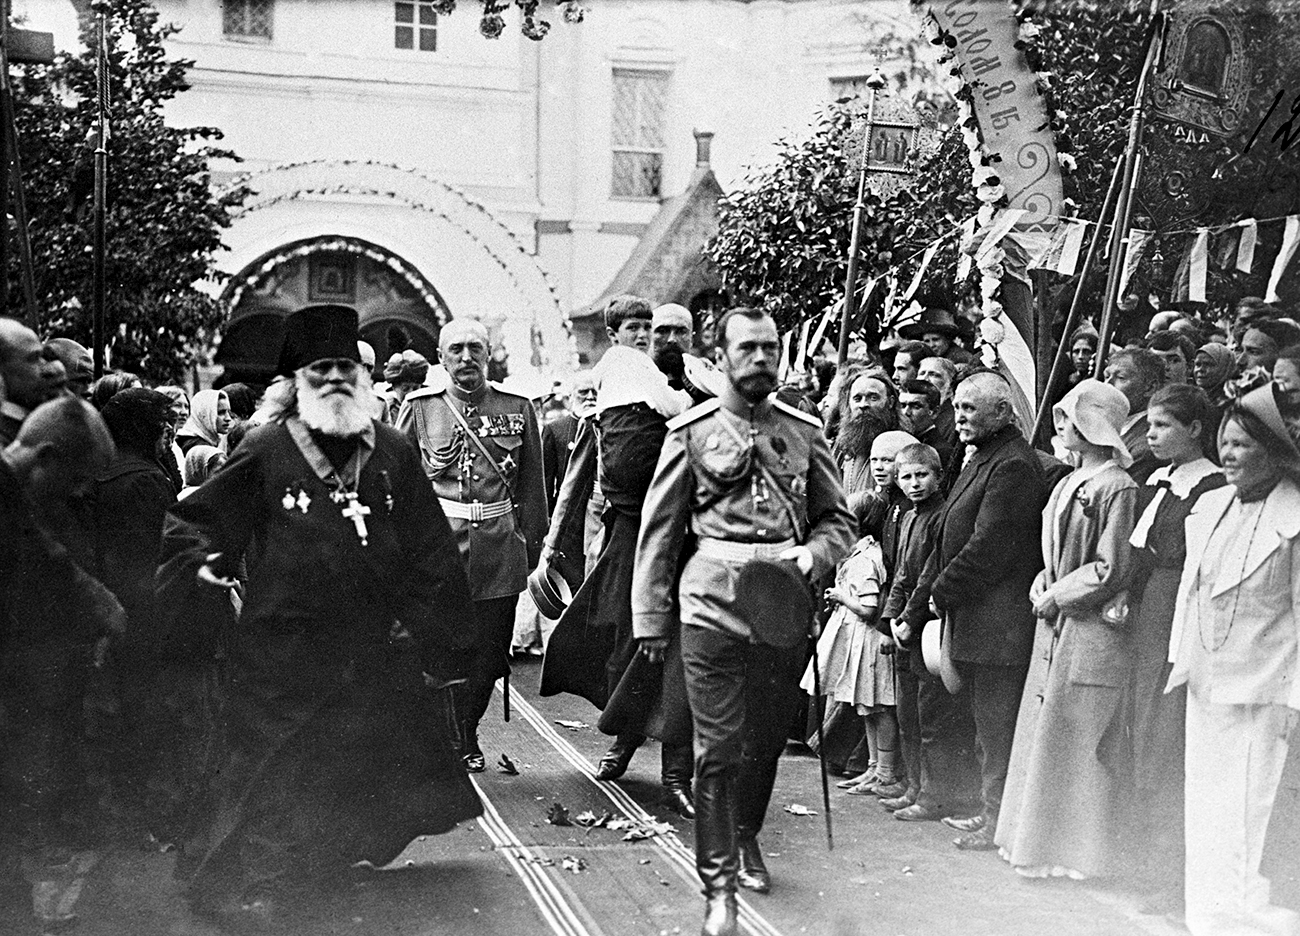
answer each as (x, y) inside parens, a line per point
(338, 748)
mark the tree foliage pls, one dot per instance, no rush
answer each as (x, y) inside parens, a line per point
(784, 236)
(492, 22)
(163, 224)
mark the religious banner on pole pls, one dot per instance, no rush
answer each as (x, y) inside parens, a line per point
(1010, 111)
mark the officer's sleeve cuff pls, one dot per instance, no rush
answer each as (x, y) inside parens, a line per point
(651, 624)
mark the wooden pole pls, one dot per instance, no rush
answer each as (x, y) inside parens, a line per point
(1124, 207)
(875, 82)
(1072, 318)
(99, 246)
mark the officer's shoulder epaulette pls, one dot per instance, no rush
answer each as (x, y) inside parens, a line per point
(796, 413)
(426, 392)
(694, 413)
(504, 391)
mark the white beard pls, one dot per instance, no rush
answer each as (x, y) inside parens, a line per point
(336, 414)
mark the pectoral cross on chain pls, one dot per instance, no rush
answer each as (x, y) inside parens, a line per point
(357, 513)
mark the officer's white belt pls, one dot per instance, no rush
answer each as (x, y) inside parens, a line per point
(476, 511)
(730, 551)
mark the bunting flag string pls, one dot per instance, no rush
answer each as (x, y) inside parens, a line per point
(1290, 238)
(1198, 265)
(1246, 246)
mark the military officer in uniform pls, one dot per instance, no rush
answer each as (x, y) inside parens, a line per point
(753, 479)
(482, 450)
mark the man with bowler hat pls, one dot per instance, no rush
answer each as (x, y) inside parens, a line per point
(755, 481)
(938, 330)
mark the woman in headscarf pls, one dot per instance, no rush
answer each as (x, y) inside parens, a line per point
(1235, 645)
(208, 423)
(174, 464)
(200, 462)
(1214, 366)
(1060, 809)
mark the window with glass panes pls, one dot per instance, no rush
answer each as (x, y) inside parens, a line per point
(247, 19)
(640, 104)
(416, 25)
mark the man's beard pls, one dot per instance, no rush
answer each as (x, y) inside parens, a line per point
(334, 414)
(669, 359)
(857, 431)
(755, 387)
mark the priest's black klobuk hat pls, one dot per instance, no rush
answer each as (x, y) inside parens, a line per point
(319, 332)
(774, 597)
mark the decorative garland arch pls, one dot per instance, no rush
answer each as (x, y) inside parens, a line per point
(482, 258)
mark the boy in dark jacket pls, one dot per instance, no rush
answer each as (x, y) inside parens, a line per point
(922, 699)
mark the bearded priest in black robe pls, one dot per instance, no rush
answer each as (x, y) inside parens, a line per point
(335, 743)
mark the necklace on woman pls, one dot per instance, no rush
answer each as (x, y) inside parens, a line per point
(1236, 596)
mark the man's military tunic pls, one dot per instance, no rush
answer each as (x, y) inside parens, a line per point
(497, 507)
(743, 694)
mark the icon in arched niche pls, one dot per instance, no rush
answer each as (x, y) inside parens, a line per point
(1203, 78)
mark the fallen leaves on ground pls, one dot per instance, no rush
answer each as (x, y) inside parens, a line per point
(507, 766)
(569, 863)
(798, 809)
(590, 820)
(571, 725)
(557, 815)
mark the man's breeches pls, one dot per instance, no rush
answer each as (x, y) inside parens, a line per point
(743, 697)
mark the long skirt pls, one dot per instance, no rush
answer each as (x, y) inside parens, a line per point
(1067, 774)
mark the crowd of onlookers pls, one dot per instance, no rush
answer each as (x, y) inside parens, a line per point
(1136, 724)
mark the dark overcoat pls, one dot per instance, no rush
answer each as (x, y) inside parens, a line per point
(988, 552)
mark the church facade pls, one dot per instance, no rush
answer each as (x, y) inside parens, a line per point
(405, 164)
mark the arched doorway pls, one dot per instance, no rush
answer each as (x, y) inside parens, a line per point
(398, 308)
(438, 252)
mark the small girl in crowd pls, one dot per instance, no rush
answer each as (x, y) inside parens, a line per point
(853, 670)
(1067, 770)
(1180, 420)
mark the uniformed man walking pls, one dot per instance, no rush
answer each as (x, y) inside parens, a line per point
(482, 450)
(754, 480)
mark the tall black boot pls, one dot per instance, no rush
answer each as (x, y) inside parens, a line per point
(472, 700)
(678, 766)
(614, 764)
(715, 854)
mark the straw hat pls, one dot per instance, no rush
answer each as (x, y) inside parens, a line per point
(1262, 404)
(1098, 411)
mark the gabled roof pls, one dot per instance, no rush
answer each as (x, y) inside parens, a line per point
(669, 252)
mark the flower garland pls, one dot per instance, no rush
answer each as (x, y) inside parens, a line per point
(340, 245)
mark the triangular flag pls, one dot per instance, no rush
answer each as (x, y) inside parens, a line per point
(920, 271)
(1290, 238)
(1197, 266)
(801, 358)
(1246, 247)
(1003, 222)
(815, 343)
(1069, 262)
(963, 258)
(784, 367)
(1136, 242)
